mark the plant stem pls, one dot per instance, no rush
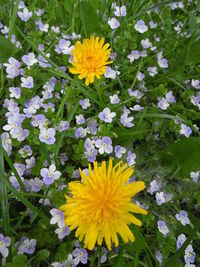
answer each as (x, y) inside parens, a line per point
(99, 259)
(95, 256)
(4, 196)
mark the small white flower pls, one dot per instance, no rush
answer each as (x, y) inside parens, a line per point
(113, 23)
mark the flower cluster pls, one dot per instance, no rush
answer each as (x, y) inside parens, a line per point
(84, 83)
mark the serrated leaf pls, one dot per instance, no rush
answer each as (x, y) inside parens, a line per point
(89, 18)
(7, 49)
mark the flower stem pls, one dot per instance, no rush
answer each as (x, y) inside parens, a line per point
(4, 195)
(95, 256)
(99, 259)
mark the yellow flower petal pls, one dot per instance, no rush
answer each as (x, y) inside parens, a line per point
(100, 206)
(90, 59)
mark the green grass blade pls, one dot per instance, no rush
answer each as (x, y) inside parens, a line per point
(147, 246)
(99, 259)
(136, 259)
(173, 259)
(59, 141)
(13, 19)
(62, 104)
(27, 203)
(9, 161)
(149, 9)
(92, 264)
(7, 50)
(45, 152)
(28, 195)
(42, 54)
(89, 18)
(3, 194)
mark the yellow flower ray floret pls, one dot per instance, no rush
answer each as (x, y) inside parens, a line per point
(90, 59)
(100, 206)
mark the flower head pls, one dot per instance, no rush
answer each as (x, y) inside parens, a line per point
(80, 255)
(162, 227)
(26, 246)
(185, 130)
(182, 216)
(180, 240)
(25, 15)
(104, 145)
(140, 26)
(100, 205)
(4, 243)
(113, 23)
(90, 59)
(106, 115)
(49, 175)
(47, 135)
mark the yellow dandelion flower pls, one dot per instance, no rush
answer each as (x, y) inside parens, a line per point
(90, 59)
(100, 206)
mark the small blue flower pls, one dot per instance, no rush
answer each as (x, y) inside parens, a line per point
(180, 240)
(4, 244)
(162, 227)
(182, 216)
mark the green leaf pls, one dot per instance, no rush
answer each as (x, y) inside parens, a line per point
(118, 261)
(138, 244)
(46, 152)
(197, 196)
(93, 259)
(9, 161)
(126, 135)
(19, 260)
(173, 260)
(89, 18)
(43, 255)
(63, 250)
(183, 155)
(191, 48)
(4, 195)
(28, 204)
(7, 49)
(142, 244)
(194, 22)
(13, 19)
(34, 47)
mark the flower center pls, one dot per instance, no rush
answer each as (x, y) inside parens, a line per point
(90, 58)
(182, 218)
(50, 174)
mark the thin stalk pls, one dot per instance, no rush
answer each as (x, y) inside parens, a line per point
(99, 259)
(136, 259)
(4, 195)
(13, 19)
(95, 256)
